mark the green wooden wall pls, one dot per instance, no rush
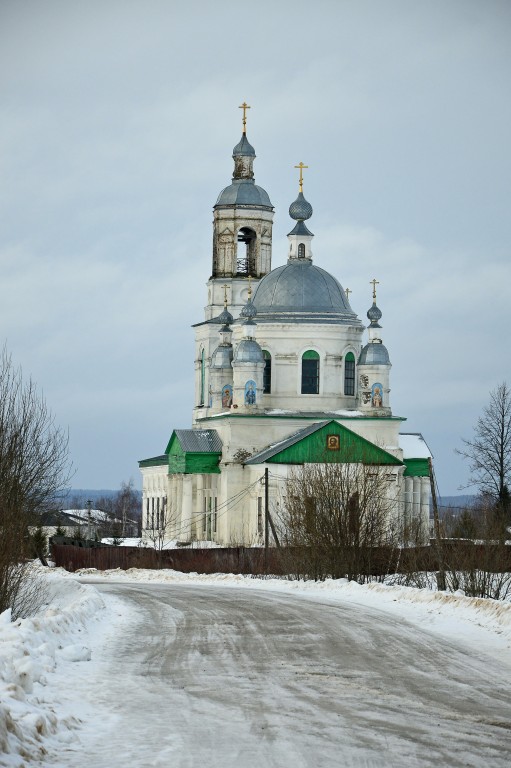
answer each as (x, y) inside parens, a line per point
(352, 449)
(187, 462)
(416, 468)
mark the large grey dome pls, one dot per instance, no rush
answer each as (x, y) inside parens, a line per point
(374, 354)
(244, 192)
(302, 292)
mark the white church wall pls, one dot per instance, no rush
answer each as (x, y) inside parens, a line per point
(286, 342)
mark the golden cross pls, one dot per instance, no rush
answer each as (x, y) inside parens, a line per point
(225, 295)
(301, 166)
(374, 283)
(250, 287)
(347, 292)
(244, 107)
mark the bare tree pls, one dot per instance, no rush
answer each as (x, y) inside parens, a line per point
(339, 519)
(489, 451)
(124, 509)
(477, 558)
(34, 468)
(157, 529)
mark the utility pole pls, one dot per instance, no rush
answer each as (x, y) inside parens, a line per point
(266, 519)
(89, 504)
(440, 576)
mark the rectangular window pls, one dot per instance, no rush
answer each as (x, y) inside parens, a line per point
(215, 515)
(267, 373)
(349, 374)
(310, 377)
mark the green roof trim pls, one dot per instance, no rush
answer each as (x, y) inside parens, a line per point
(300, 416)
(416, 468)
(156, 461)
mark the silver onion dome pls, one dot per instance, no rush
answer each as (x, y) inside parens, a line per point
(249, 311)
(374, 315)
(243, 148)
(300, 209)
(224, 318)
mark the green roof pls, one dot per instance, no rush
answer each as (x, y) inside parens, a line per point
(325, 442)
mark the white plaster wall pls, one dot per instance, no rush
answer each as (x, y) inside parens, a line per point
(253, 434)
(155, 485)
(286, 343)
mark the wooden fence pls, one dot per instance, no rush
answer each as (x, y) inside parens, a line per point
(376, 561)
(218, 560)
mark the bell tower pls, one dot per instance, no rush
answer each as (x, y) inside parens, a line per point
(242, 232)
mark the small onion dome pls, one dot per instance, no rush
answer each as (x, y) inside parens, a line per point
(300, 210)
(248, 351)
(374, 353)
(374, 314)
(244, 148)
(224, 318)
(249, 311)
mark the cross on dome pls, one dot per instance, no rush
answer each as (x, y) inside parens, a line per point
(301, 166)
(244, 107)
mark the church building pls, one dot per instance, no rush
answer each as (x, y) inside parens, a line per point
(286, 374)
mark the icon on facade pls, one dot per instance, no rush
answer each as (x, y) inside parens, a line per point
(226, 396)
(377, 395)
(250, 392)
(333, 442)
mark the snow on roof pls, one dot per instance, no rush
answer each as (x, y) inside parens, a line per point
(199, 440)
(414, 446)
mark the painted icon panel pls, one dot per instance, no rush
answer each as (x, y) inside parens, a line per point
(377, 395)
(250, 392)
(226, 396)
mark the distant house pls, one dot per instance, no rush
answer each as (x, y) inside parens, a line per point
(92, 524)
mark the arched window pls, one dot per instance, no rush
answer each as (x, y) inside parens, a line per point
(202, 376)
(267, 372)
(349, 374)
(301, 251)
(310, 373)
(246, 261)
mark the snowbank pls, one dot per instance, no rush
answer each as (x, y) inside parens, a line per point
(66, 630)
(30, 649)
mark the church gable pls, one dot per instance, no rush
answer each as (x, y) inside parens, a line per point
(324, 443)
(194, 451)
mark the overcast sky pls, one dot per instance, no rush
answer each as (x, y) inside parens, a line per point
(117, 125)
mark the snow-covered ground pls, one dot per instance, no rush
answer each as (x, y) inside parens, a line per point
(38, 654)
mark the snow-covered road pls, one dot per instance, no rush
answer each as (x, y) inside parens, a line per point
(191, 675)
